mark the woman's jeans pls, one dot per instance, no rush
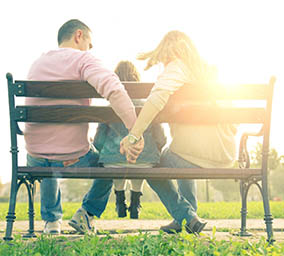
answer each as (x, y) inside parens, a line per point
(50, 195)
(181, 203)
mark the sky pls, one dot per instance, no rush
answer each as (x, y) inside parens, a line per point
(244, 39)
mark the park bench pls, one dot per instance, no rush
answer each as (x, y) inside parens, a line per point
(181, 108)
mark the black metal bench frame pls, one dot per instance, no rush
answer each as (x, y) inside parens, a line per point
(179, 106)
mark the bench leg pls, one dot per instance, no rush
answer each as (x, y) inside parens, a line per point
(267, 213)
(10, 218)
(31, 193)
(244, 187)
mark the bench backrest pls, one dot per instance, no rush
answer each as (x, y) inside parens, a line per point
(194, 104)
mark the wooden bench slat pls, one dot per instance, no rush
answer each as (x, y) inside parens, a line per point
(81, 89)
(138, 173)
(193, 114)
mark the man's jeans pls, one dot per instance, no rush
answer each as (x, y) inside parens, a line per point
(96, 199)
(51, 209)
(181, 203)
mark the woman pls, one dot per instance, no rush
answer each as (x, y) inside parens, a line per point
(192, 145)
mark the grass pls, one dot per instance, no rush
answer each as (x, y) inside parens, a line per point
(141, 244)
(155, 210)
(145, 243)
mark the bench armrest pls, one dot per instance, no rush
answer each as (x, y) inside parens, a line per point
(244, 159)
(18, 130)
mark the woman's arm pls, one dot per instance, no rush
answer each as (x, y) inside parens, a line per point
(168, 82)
(172, 78)
(146, 116)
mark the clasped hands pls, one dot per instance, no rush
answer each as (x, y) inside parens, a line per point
(131, 151)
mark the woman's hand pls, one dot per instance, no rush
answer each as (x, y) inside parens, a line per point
(131, 151)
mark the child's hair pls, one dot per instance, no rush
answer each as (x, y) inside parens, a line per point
(126, 71)
(177, 45)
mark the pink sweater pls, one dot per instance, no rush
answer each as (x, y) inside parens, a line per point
(70, 141)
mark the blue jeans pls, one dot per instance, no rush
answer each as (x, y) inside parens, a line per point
(50, 195)
(181, 203)
(96, 199)
(179, 206)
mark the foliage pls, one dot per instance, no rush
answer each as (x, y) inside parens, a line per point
(274, 159)
(156, 210)
(141, 244)
(276, 179)
(230, 189)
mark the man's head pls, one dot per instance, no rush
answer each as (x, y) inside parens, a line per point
(75, 34)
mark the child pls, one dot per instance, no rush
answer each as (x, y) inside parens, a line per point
(107, 142)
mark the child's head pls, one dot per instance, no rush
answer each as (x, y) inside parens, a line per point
(176, 45)
(126, 71)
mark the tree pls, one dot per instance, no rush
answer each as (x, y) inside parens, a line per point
(1, 186)
(273, 159)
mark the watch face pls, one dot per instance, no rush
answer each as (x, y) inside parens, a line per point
(131, 139)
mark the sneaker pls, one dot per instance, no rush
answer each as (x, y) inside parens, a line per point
(195, 226)
(171, 228)
(52, 227)
(82, 222)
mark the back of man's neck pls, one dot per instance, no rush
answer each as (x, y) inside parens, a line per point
(67, 45)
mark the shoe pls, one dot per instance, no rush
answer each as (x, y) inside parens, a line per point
(82, 222)
(120, 203)
(195, 226)
(52, 227)
(172, 228)
(135, 205)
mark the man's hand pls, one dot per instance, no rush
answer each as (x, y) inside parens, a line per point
(131, 151)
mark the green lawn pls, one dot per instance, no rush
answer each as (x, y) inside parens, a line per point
(145, 243)
(155, 210)
(142, 244)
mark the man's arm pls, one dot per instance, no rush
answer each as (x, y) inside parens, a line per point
(107, 84)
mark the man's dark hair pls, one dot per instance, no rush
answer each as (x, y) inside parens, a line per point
(68, 28)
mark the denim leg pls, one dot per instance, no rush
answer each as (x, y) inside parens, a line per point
(178, 207)
(187, 188)
(50, 195)
(50, 200)
(96, 199)
(182, 202)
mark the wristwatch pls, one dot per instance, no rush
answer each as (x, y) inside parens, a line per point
(132, 139)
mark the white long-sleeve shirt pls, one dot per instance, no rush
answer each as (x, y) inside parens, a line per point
(207, 146)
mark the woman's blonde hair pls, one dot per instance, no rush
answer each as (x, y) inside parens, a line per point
(177, 45)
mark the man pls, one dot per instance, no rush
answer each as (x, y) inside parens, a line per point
(61, 145)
